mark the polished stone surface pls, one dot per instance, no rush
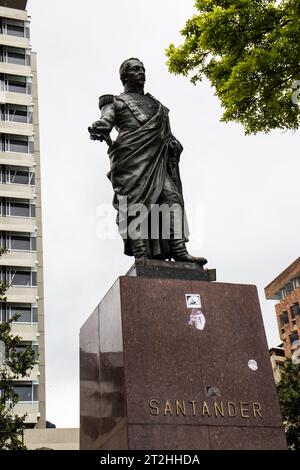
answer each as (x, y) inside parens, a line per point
(156, 374)
(171, 270)
(204, 438)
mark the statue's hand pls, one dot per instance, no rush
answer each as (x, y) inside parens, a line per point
(99, 132)
(176, 148)
(93, 136)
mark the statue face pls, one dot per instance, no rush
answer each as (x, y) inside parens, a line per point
(135, 73)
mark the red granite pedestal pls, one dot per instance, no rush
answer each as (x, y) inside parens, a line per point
(162, 368)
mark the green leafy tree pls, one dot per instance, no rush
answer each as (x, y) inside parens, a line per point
(18, 364)
(289, 397)
(250, 52)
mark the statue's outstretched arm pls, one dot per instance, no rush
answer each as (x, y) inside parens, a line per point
(101, 129)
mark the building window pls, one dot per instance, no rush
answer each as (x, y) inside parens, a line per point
(15, 55)
(296, 282)
(19, 277)
(293, 337)
(20, 209)
(35, 392)
(17, 242)
(3, 314)
(26, 313)
(24, 392)
(289, 288)
(22, 278)
(295, 310)
(16, 84)
(16, 208)
(20, 242)
(18, 144)
(17, 175)
(27, 392)
(282, 294)
(21, 348)
(20, 176)
(16, 113)
(284, 319)
(15, 28)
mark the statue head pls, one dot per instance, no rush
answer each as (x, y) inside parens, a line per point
(132, 71)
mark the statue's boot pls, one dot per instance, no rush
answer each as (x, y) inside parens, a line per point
(139, 248)
(180, 253)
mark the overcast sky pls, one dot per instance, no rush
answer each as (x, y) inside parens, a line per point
(241, 191)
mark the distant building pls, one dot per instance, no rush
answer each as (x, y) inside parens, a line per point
(20, 201)
(278, 358)
(285, 288)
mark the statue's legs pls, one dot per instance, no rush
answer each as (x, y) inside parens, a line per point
(167, 246)
(139, 248)
(137, 234)
(178, 251)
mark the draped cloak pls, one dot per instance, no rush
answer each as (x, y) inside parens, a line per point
(139, 163)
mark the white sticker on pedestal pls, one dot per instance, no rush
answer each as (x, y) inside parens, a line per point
(197, 319)
(193, 300)
(252, 364)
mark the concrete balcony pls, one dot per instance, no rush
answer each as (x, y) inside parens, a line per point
(33, 376)
(14, 12)
(32, 410)
(16, 159)
(23, 295)
(17, 191)
(15, 69)
(16, 128)
(27, 331)
(19, 258)
(9, 97)
(14, 41)
(17, 224)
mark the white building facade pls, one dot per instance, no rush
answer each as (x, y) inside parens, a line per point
(20, 200)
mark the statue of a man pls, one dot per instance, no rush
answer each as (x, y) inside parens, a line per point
(144, 167)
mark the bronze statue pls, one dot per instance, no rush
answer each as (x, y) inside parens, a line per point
(144, 165)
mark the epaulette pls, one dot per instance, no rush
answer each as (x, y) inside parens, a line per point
(105, 99)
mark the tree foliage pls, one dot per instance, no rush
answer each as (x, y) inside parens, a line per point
(250, 52)
(289, 397)
(18, 364)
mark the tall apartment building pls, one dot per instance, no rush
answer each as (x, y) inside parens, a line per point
(20, 200)
(285, 288)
